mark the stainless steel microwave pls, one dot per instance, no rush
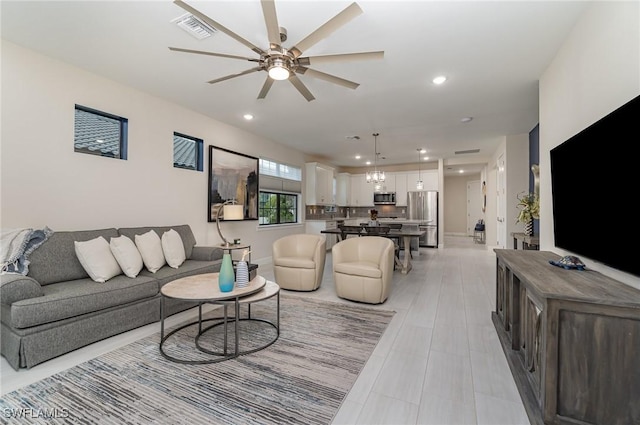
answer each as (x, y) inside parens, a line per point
(384, 198)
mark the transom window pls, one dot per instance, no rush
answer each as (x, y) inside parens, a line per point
(276, 169)
(100, 133)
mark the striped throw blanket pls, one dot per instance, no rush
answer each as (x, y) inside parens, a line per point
(17, 244)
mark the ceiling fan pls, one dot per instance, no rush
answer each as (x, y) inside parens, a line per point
(281, 63)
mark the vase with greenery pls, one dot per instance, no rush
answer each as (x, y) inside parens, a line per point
(529, 206)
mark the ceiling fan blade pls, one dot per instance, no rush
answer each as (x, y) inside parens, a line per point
(239, 74)
(327, 77)
(327, 28)
(265, 88)
(301, 88)
(344, 57)
(218, 26)
(271, 19)
(222, 55)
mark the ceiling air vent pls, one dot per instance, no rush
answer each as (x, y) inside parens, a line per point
(194, 26)
(467, 151)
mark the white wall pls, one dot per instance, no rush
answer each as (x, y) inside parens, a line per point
(517, 179)
(596, 70)
(45, 183)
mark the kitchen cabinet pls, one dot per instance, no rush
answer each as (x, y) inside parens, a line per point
(343, 189)
(571, 339)
(389, 184)
(361, 191)
(429, 180)
(316, 227)
(401, 189)
(319, 184)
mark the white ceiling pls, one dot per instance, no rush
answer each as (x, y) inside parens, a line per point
(492, 52)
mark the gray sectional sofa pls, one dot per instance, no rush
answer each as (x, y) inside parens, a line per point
(56, 308)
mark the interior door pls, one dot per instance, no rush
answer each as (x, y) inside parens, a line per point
(474, 205)
(501, 205)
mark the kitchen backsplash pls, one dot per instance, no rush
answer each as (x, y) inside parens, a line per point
(322, 212)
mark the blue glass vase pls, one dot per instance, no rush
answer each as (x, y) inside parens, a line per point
(226, 277)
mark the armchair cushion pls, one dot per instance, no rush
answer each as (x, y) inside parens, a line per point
(295, 262)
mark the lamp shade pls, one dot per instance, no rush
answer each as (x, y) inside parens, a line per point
(233, 212)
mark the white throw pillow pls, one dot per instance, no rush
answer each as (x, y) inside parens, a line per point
(127, 255)
(97, 259)
(173, 248)
(150, 249)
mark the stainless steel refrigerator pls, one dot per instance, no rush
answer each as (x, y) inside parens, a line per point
(422, 206)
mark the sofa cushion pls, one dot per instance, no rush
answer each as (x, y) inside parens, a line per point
(16, 287)
(59, 249)
(150, 248)
(127, 255)
(188, 268)
(358, 268)
(184, 230)
(173, 248)
(73, 298)
(97, 259)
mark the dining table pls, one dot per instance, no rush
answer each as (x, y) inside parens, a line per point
(406, 235)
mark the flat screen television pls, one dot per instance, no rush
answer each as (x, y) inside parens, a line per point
(594, 179)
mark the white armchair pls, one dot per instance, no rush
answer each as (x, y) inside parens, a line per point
(298, 261)
(363, 268)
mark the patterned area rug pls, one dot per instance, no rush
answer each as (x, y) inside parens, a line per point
(301, 379)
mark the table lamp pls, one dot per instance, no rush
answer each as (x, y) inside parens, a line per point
(231, 212)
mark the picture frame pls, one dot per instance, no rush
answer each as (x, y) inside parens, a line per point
(232, 176)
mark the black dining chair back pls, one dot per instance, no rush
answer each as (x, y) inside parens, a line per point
(349, 230)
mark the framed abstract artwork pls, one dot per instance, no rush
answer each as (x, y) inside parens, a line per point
(233, 176)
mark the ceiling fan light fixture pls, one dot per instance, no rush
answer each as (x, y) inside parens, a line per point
(278, 70)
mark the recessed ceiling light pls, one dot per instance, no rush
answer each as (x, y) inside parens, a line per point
(466, 119)
(248, 117)
(440, 79)
(357, 156)
(368, 162)
(426, 158)
(423, 151)
(461, 171)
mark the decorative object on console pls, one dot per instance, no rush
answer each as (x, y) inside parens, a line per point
(569, 262)
(529, 205)
(226, 277)
(230, 212)
(376, 176)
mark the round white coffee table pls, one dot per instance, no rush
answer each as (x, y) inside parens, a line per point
(204, 289)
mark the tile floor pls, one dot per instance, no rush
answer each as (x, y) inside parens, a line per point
(439, 362)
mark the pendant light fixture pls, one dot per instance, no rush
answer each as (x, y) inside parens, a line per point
(419, 184)
(375, 176)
